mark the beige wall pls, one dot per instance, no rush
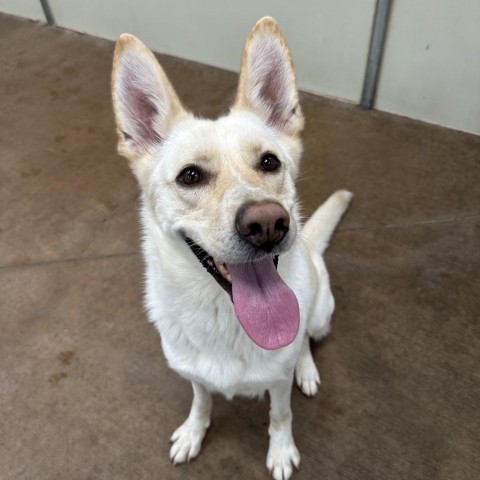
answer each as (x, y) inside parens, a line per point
(328, 38)
(431, 67)
(23, 8)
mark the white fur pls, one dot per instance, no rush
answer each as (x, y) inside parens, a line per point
(201, 337)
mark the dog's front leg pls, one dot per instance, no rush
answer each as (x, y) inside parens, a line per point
(282, 452)
(187, 439)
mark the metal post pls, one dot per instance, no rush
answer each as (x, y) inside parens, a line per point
(48, 12)
(377, 42)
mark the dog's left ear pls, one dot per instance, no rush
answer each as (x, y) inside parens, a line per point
(267, 80)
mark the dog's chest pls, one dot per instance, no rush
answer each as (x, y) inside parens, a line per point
(209, 345)
(201, 337)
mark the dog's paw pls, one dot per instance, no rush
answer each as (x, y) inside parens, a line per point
(307, 376)
(281, 459)
(187, 441)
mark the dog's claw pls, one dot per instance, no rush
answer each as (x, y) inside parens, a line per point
(307, 376)
(282, 474)
(187, 441)
(309, 389)
(281, 460)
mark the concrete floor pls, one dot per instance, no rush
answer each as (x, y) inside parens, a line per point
(84, 390)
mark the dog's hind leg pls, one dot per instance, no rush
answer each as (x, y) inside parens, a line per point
(321, 225)
(306, 373)
(316, 235)
(187, 439)
(282, 452)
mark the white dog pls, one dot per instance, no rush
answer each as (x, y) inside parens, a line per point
(219, 211)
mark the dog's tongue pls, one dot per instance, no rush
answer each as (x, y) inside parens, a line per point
(264, 304)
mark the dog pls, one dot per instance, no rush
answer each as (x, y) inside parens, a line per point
(234, 284)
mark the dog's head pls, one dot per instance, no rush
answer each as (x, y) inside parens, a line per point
(227, 186)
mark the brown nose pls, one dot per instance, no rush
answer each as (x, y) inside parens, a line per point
(263, 224)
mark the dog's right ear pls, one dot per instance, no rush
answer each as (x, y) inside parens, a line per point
(144, 101)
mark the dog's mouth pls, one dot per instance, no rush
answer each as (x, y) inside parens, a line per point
(265, 306)
(218, 270)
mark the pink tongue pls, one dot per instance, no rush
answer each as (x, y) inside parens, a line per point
(265, 306)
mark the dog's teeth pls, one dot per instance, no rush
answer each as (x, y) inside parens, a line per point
(221, 267)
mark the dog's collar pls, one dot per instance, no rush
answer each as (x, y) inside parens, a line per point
(209, 264)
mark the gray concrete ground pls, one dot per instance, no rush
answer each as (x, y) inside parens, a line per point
(85, 392)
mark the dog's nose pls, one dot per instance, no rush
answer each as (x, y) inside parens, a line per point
(263, 224)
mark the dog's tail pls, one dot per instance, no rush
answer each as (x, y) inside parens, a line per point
(320, 226)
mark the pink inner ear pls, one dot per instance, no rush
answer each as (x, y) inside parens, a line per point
(271, 94)
(140, 109)
(270, 81)
(270, 74)
(143, 112)
(139, 93)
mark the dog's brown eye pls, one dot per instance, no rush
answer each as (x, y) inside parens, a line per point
(190, 176)
(269, 162)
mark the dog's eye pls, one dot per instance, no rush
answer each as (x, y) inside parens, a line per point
(269, 162)
(190, 176)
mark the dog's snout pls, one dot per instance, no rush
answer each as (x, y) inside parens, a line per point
(263, 224)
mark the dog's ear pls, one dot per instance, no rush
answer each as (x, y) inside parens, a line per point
(144, 101)
(267, 80)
